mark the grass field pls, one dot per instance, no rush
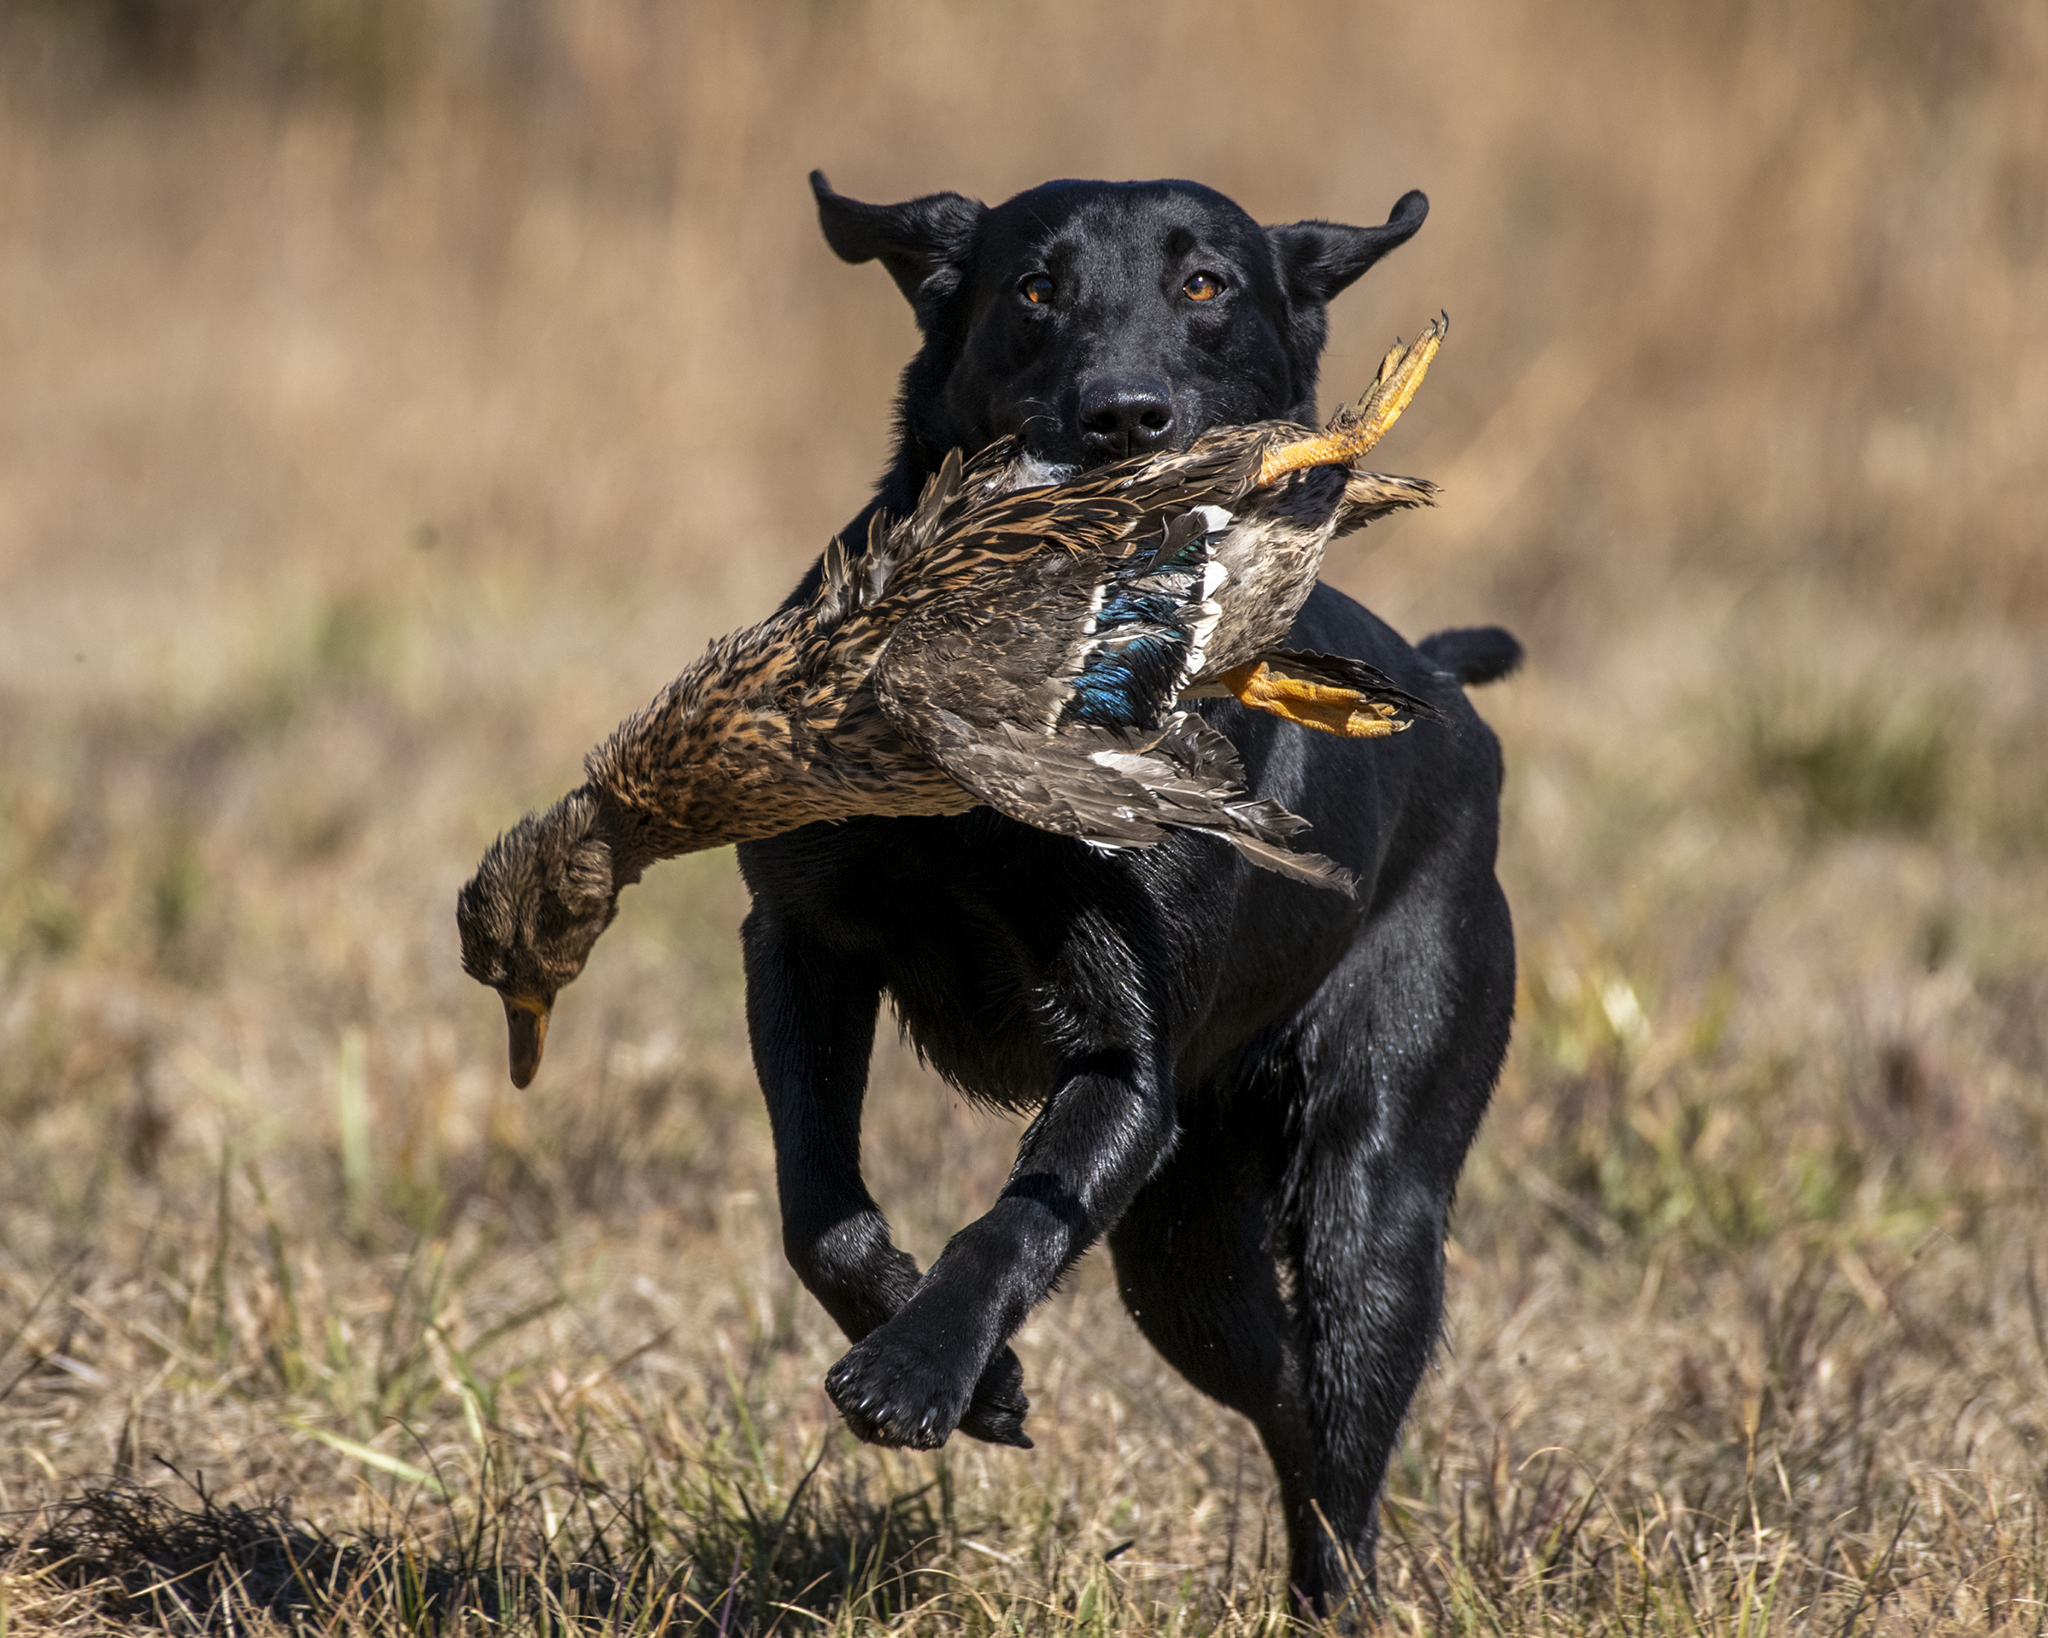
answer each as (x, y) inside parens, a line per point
(393, 396)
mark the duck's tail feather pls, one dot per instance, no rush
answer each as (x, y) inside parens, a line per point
(1370, 495)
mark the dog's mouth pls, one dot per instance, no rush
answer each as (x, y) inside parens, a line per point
(1062, 461)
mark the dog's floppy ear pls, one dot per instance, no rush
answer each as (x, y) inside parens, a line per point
(1318, 259)
(918, 241)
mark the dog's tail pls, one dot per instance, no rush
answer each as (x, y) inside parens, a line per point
(1472, 654)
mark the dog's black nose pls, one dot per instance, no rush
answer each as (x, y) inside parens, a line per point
(1125, 415)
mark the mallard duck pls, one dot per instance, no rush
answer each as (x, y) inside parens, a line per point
(1028, 647)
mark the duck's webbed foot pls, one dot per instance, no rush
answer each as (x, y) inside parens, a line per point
(1342, 711)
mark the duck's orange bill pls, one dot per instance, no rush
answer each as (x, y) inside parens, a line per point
(526, 1030)
(1348, 438)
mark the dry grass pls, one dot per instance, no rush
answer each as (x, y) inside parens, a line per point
(394, 396)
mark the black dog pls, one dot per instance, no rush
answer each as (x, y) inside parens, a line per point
(1262, 1093)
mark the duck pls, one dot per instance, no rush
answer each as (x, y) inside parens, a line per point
(1035, 647)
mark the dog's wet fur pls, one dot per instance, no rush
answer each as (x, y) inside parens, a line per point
(1259, 1092)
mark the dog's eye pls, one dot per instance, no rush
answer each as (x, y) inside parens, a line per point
(1202, 287)
(1036, 289)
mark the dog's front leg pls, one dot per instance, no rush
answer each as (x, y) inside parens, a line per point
(1103, 1132)
(811, 1020)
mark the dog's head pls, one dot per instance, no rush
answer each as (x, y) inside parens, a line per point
(1102, 319)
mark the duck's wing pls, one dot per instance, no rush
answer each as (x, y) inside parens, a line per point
(1047, 691)
(1122, 788)
(1053, 638)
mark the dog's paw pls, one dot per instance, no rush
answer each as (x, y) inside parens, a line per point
(995, 1414)
(897, 1395)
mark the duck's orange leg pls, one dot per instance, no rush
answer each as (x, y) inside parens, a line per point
(1340, 711)
(1353, 432)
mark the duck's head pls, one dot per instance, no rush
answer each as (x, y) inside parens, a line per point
(529, 916)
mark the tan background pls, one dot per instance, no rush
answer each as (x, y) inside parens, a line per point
(392, 396)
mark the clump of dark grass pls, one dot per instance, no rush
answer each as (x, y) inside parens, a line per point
(144, 1559)
(647, 1559)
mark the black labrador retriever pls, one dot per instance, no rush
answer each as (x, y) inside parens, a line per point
(1260, 1092)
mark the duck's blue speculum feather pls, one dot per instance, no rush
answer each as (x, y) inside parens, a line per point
(1115, 689)
(1144, 626)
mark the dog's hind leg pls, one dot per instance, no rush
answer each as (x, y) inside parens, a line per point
(1398, 1054)
(1196, 1266)
(1199, 1260)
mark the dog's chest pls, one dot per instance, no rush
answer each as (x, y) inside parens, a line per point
(999, 1054)
(988, 952)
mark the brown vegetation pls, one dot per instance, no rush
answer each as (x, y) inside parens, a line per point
(392, 397)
